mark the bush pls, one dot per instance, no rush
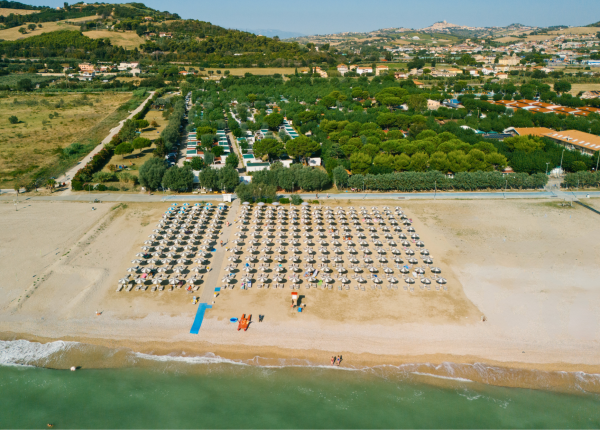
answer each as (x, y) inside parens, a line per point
(13, 119)
(152, 173)
(112, 188)
(284, 200)
(296, 199)
(100, 187)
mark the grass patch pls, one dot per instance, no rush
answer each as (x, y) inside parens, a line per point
(33, 148)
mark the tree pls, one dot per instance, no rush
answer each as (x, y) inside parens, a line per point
(152, 172)
(160, 151)
(418, 162)
(124, 149)
(31, 27)
(251, 98)
(524, 143)
(562, 86)
(13, 119)
(209, 178)
(232, 160)
(244, 192)
(154, 123)
(228, 178)
(269, 147)
(217, 151)
(360, 163)
(340, 176)
(417, 102)
(179, 179)
(141, 124)
(197, 163)
(22, 30)
(274, 120)
(50, 184)
(301, 147)
(141, 143)
(128, 131)
(24, 85)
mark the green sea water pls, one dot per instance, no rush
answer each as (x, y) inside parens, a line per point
(165, 393)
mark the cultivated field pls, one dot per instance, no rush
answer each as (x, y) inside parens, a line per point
(6, 11)
(13, 33)
(576, 88)
(252, 70)
(578, 30)
(29, 145)
(126, 39)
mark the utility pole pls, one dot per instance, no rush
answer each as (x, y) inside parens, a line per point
(547, 168)
(435, 192)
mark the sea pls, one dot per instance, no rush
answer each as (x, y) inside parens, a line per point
(119, 388)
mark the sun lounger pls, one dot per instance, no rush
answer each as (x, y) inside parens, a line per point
(330, 287)
(119, 288)
(161, 288)
(362, 288)
(153, 289)
(445, 288)
(347, 287)
(339, 288)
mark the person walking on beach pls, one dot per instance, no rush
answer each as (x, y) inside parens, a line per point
(338, 360)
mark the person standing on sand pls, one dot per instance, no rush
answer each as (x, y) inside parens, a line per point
(332, 359)
(338, 360)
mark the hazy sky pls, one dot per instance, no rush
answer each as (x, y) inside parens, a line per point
(332, 16)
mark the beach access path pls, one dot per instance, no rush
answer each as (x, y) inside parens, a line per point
(211, 279)
(113, 131)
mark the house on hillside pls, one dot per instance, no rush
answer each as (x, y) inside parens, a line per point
(342, 68)
(362, 70)
(87, 68)
(380, 69)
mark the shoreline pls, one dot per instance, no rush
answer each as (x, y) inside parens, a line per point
(554, 376)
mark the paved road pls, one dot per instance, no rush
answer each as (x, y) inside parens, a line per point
(158, 197)
(69, 175)
(231, 138)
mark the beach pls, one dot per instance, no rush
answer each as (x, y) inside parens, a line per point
(527, 267)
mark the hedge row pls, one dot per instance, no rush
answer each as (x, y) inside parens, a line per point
(95, 164)
(464, 181)
(581, 179)
(170, 133)
(141, 114)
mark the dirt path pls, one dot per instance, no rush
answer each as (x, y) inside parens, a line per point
(69, 174)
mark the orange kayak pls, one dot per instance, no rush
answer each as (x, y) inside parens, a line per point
(244, 322)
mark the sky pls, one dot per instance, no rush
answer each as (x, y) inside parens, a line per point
(333, 16)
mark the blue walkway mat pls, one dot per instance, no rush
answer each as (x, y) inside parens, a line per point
(202, 307)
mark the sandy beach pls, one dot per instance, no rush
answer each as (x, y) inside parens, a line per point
(527, 266)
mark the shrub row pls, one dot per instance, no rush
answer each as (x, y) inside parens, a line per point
(95, 164)
(170, 134)
(141, 114)
(464, 181)
(581, 179)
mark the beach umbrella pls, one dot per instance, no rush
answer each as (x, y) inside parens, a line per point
(419, 270)
(414, 235)
(436, 270)
(382, 260)
(420, 243)
(398, 260)
(278, 278)
(341, 269)
(413, 261)
(424, 252)
(295, 259)
(409, 252)
(388, 270)
(123, 281)
(409, 280)
(392, 279)
(279, 258)
(427, 260)
(376, 280)
(440, 281)
(425, 281)
(373, 269)
(227, 279)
